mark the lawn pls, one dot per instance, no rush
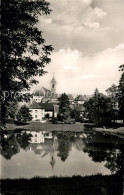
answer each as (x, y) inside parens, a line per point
(37, 126)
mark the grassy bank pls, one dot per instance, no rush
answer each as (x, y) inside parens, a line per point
(116, 132)
(37, 126)
(76, 185)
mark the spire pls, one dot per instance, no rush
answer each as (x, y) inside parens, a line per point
(53, 79)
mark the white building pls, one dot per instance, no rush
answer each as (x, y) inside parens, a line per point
(40, 110)
(37, 112)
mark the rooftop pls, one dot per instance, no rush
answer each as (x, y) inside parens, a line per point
(35, 105)
(53, 80)
(47, 106)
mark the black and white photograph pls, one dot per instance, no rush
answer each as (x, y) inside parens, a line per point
(62, 97)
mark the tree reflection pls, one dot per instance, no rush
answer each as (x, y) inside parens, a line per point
(64, 145)
(9, 146)
(23, 140)
(101, 148)
(12, 142)
(65, 142)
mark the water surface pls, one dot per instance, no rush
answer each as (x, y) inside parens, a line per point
(40, 153)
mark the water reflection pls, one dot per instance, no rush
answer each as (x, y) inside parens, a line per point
(102, 147)
(11, 143)
(81, 152)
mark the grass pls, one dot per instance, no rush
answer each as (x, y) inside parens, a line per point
(37, 126)
(76, 185)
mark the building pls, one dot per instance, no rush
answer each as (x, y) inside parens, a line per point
(37, 111)
(48, 108)
(47, 95)
(45, 102)
(80, 99)
(40, 111)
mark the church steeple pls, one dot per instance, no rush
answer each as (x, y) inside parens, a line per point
(53, 85)
(53, 79)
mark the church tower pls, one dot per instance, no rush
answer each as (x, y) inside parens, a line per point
(53, 86)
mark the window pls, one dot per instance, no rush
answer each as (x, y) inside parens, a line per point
(35, 111)
(35, 116)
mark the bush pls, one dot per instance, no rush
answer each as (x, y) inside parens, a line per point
(54, 120)
(70, 121)
(24, 115)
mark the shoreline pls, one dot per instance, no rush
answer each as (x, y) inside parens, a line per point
(119, 132)
(78, 127)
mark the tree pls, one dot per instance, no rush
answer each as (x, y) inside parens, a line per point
(121, 97)
(64, 107)
(21, 42)
(112, 93)
(121, 67)
(24, 115)
(11, 111)
(75, 113)
(98, 109)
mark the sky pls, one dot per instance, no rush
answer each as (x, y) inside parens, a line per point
(88, 41)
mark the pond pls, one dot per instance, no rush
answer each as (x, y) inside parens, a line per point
(29, 154)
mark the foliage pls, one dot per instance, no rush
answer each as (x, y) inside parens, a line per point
(112, 93)
(21, 42)
(94, 184)
(11, 111)
(24, 115)
(98, 109)
(64, 107)
(78, 98)
(76, 115)
(121, 97)
(121, 67)
(54, 120)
